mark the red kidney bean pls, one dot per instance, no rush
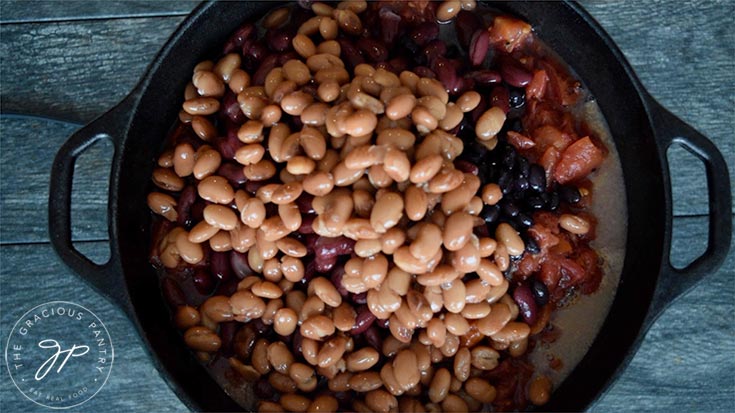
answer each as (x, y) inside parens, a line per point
(172, 293)
(466, 24)
(263, 389)
(203, 282)
(325, 264)
(227, 332)
(183, 206)
(253, 186)
(227, 287)
(363, 320)
(383, 323)
(479, 110)
(309, 241)
(447, 74)
(291, 55)
(467, 167)
(233, 173)
(246, 31)
(278, 40)
(374, 50)
(423, 71)
(374, 337)
(513, 74)
(526, 303)
(229, 144)
(297, 342)
(359, 298)
(306, 221)
(424, 33)
(219, 265)
(485, 76)
(197, 210)
(398, 64)
(479, 46)
(304, 202)
(390, 25)
(239, 263)
(332, 247)
(336, 277)
(433, 49)
(350, 53)
(230, 108)
(265, 67)
(499, 98)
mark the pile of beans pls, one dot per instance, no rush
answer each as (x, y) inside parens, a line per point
(356, 215)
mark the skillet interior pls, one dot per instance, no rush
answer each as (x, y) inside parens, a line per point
(592, 57)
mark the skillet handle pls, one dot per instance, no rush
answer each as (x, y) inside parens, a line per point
(105, 278)
(676, 281)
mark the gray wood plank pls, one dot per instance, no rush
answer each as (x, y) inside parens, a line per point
(32, 275)
(685, 362)
(76, 70)
(28, 149)
(684, 53)
(21, 11)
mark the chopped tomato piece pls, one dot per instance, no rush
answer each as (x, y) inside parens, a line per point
(508, 33)
(578, 160)
(548, 161)
(548, 135)
(519, 141)
(537, 88)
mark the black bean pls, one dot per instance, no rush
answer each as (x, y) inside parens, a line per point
(490, 213)
(553, 201)
(516, 97)
(508, 208)
(540, 292)
(569, 194)
(524, 219)
(509, 157)
(532, 246)
(535, 202)
(523, 167)
(520, 184)
(505, 181)
(537, 178)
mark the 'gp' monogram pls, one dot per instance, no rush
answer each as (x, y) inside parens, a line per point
(49, 364)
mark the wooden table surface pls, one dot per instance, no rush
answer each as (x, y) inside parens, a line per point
(70, 61)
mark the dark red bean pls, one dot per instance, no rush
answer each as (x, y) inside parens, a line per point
(310, 271)
(306, 221)
(203, 282)
(374, 337)
(398, 64)
(183, 206)
(278, 40)
(390, 24)
(263, 390)
(350, 53)
(336, 277)
(447, 74)
(424, 71)
(325, 264)
(231, 108)
(229, 144)
(172, 292)
(310, 241)
(227, 332)
(513, 74)
(424, 33)
(290, 55)
(244, 341)
(233, 173)
(197, 210)
(332, 247)
(526, 303)
(297, 342)
(374, 50)
(466, 24)
(363, 320)
(265, 67)
(304, 203)
(481, 231)
(479, 110)
(467, 167)
(239, 263)
(260, 327)
(479, 46)
(499, 98)
(219, 264)
(237, 39)
(255, 51)
(435, 48)
(383, 323)
(485, 76)
(359, 298)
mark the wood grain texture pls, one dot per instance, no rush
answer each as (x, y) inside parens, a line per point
(76, 70)
(22, 11)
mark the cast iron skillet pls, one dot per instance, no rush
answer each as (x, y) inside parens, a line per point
(641, 128)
